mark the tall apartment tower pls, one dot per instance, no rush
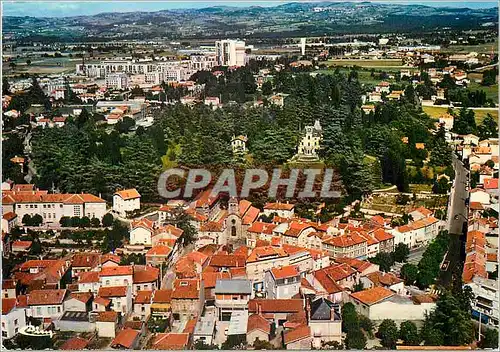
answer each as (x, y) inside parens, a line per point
(230, 52)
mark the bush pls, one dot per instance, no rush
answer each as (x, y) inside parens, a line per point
(94, 222)
(107, 220)
(388, 333)
(65, 221)
(75, 221)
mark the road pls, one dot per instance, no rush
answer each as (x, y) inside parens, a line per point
(413, 258)
(457, 221)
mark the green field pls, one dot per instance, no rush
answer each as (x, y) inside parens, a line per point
(363, 76)
(436, 111)
(491, 91)
(481, 48)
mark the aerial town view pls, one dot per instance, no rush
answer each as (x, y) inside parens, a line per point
(261, 175)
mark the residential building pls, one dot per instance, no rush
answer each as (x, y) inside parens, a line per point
(117, 81)
(325, 322)
(257, 328)
(282, 282)
(125, 201)
(13, 317)
(187, 299)
(46, 303)
(120, 296)
(231, 295)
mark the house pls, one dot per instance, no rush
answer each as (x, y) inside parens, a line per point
(361, 266)
(49, 274)
(84, 262)
(299, 338)
(142, 304)
(310, 142)
(120, 296)
(161, 303)
(46, 303)
(205, 329)
(107, 323)
(284, 210)
(127, 339)
(145, 278)
(21, 246)
(9, 288)
(325, 322)
(350, 244)
(141, 232)
(282, 282)
(101, 304)
(385, 240)
(262, 259)
(170, 341)
(127, 200)
(159, 255)
(79, 302)
(379, 303)
(479, 195)
(231, 295)
(276, 310)
(89, 282)
(187, 298)
(257, 328)
(13, 317)
(116, 275)
(9, 221)
(381, 279)
(420, 213)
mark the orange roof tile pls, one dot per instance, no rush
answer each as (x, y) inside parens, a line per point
(372, 295)
(275, 305)
(9, 216)
(8, 304)
(159, 250)
(122, 270)
(45, 297)
(297, 334)
(125, 338)
(279, 206)
(107, 316)
(257, 322)
(113, 291)
(74, 343)
(170, 341)
(162, 296)
(228, 260)
(261, 227)
(285, 272)
(146, 275)
(127, 194)
(143, 297)
(186, 289)
(88, 277)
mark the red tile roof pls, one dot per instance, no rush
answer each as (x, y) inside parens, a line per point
(347, 240)
(143, 297)
(8, 304)
(279, 206)
(170, 341)
(261, 227)
(116, 270)
(81, 296)
(491, 183)
(257, 322)
(275, 305)
(372, 295)
(88, 277)
(297, 334)
(74, 343)
(190, 325)
(285, 272)
(107, 316)
(159, 251)
(125, 338)
(382, 235)
(113, 291)
(127, 194)
(45, 297)
(383, 279)
(186, 289)
(210, 278)
(146, 275)
(327, 282)
(102, 301)
(22, 244)
(85, 260)
(162, 296)
(144, 223)
(251, 215)
(9, 216)
(229, 261)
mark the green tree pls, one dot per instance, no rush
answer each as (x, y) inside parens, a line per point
(5, 86)
(26, 220)
(267, 88)
(383, 260)
(36, 220)
(388, 333)
(441, 186)
(488, 128)
(94, 222)
(366, 324)
(349, 317)
(355, 339)
(84, 222)
(409, 333)
(107, 220)
(409, 273)
(65, 221)
(401, 252)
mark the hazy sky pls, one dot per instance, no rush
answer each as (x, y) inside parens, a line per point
(74, 8)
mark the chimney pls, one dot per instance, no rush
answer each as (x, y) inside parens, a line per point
(308, 310)
(259, 308)
(332, 313)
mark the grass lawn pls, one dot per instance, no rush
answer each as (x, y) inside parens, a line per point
(436, 111)
(480, 48)
(491, 91)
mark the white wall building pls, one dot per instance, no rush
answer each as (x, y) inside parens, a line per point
(126, 200)
(13, 318)
(230, 52)
(117, 81)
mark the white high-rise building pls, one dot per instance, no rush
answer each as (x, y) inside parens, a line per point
(230, 52)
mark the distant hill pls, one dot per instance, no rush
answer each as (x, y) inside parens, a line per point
(290, 19)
